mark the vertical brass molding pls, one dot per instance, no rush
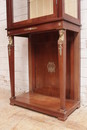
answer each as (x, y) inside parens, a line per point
(61, 41)
(10, 44)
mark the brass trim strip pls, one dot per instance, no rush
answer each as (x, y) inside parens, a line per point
(30, 29)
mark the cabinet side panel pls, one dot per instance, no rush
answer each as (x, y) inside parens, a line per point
(77, 67)
(70, 65)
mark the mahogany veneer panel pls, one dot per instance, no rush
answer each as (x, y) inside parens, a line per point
(45, 51)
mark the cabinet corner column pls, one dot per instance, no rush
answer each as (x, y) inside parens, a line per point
(11, 65)
(30, 63)
(62, 69)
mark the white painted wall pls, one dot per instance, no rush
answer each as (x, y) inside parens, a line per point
(21, 52)
(84, 52)
(21, 56)
(4, 75)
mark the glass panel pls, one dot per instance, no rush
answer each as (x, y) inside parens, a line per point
(20, 10)
(71, 8)
(24, 9)
(40, 8)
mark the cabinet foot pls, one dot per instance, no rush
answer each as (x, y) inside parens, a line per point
(12, 101)
(62, 118)
(62, 115)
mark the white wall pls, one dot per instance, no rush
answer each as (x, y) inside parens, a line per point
(21, 52)
(84, 52)
(4, 75)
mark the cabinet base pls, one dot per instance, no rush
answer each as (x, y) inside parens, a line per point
(45, 104)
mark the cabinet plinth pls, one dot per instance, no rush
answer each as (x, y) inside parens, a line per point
(45, 104)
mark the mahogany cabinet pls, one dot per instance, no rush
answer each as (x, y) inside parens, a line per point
(53, 31)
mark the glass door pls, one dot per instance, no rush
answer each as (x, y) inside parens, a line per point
(31, 9)
(39, 8)
(71, 8)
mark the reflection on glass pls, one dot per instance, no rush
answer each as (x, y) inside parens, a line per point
(71, 8)
(24, 9)
(40, 8)
(20, 10)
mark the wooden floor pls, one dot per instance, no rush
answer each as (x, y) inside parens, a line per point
(45, 104)
(17, 118)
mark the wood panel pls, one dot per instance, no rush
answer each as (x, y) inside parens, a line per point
(70, 65)
(46, 52)
(77, 66)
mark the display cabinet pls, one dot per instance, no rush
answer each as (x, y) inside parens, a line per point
(53, 31)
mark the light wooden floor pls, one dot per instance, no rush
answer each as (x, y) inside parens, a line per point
(16, 118)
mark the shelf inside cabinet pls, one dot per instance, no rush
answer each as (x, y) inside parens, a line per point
(45, 104)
